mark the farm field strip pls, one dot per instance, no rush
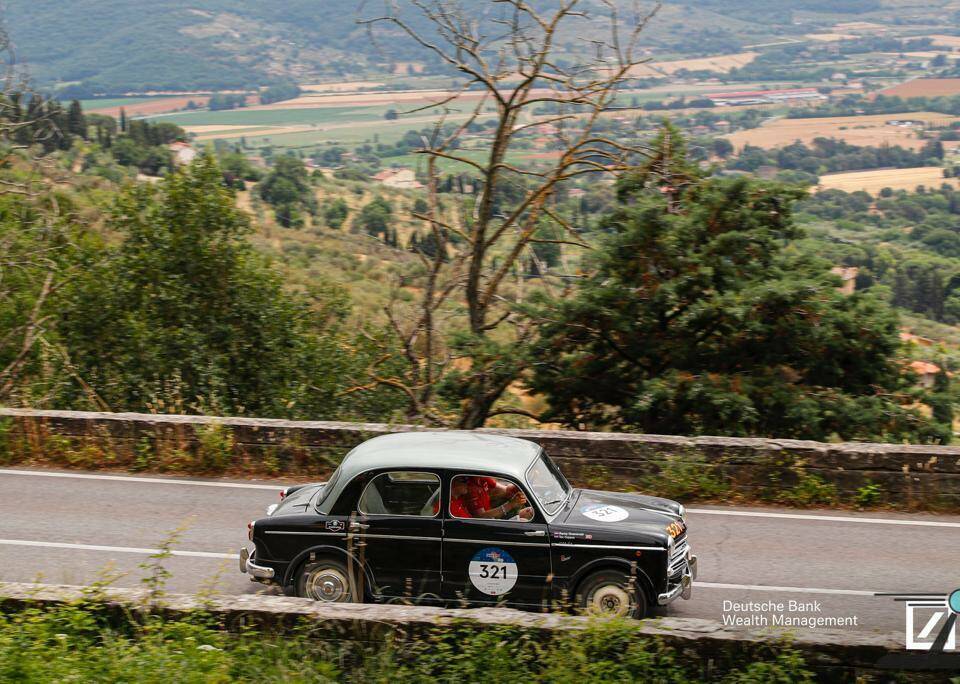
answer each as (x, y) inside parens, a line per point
(868, 130)
(151, 106)
(924, 87)
(720, 64)
(946, 41)
(875, 180)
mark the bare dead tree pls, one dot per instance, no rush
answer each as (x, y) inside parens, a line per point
(466, 330)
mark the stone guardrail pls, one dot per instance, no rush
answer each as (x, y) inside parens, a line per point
(916, 475)
(834, 655)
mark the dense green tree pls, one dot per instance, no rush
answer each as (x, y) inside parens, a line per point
(287, 188)
(237, 170)
(941, 400)
(184, 308)
(151, 160)
(221, 101)
(336, 212)
(279, 93)
(76, 122)
(375, 217)
(722, 147)
(697, 319)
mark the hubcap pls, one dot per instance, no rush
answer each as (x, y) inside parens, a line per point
(327, 584)
(610, 599)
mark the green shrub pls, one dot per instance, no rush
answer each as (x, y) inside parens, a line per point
(6, 446)
(82, 643)
(214, 447)
(145, 455)
(868, 495)
(810, 490)
(687, 477)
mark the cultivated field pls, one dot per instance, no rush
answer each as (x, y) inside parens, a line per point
(720, 64)
(868, 130)
(924, 87)
(398, 98)
(876, 180)
(345, 86)
(952, 42)
(830, 37)
(150, 107)
(302, 128)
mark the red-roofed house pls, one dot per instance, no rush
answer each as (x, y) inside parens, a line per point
(926, 372)
(398, 178)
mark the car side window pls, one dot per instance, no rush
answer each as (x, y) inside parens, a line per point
(401, 492)
(493, 498)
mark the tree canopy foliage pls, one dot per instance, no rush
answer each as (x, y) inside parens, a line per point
(185, 310)
(698, 318)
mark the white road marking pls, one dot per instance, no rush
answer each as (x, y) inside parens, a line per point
(278, 487)
(796, 590)
(233, 556)
(827, 518)
(150, 480)
(115, 549)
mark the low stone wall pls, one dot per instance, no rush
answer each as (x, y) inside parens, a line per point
(834, 655)
(913, 475)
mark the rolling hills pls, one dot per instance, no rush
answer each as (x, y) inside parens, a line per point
(111, 47)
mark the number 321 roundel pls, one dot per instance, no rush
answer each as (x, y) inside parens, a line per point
(493, 571)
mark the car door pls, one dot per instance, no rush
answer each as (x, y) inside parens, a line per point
(397, 534)
(488, 561)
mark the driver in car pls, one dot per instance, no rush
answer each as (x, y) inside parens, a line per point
(472, 497)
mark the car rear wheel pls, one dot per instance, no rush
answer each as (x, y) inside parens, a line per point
(613, 593)
(325, 580)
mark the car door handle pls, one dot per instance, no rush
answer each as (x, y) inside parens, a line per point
(535, 533)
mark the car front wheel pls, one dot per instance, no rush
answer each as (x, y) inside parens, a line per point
(613, 593)
(325, 580)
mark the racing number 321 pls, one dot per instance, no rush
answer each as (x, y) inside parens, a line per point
(493, 571)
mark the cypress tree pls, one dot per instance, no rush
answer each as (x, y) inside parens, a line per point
(76, 121)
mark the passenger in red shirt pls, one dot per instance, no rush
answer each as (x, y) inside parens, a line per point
(471, 498)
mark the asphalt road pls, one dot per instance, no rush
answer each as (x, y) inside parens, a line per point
(75, 528)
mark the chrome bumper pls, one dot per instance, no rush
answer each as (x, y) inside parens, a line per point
(248, 567)
(683, 588)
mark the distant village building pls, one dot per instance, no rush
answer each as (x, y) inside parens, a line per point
(398, 178)
(747, 97)
(908, 337)
(183, 153)
(848, 275)
(926, 373)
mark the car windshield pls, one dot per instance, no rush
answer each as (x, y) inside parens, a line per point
(548, 484)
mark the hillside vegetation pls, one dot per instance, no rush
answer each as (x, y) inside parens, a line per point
(111, 46)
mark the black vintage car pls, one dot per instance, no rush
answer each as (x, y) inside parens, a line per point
(468, 518)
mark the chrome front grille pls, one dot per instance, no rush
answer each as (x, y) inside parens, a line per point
(678, 557)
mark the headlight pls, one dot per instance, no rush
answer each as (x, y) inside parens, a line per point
(683, 512)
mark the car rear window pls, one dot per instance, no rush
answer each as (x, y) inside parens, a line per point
(402, 492)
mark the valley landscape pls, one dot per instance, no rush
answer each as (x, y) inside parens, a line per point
(699, 249)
